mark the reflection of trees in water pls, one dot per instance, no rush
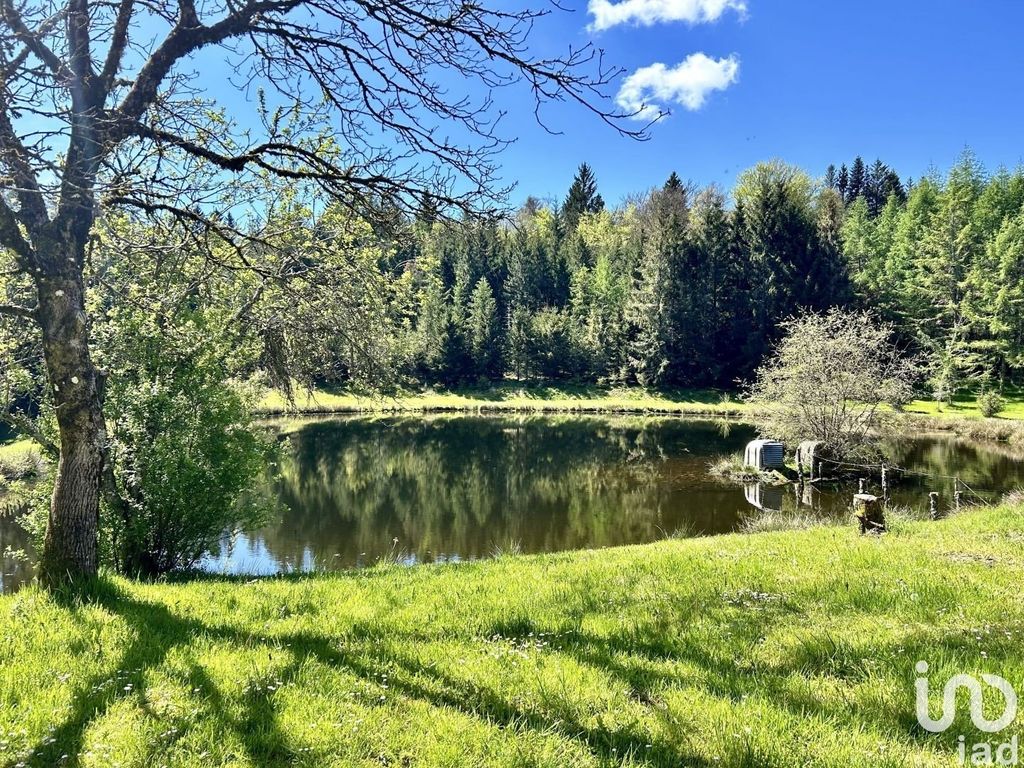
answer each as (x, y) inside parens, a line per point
(985, 467)
(466, 485)
(15, 569)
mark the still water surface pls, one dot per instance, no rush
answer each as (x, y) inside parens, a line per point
(355, 490)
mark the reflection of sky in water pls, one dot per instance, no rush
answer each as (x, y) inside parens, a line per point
(246, 554)
(462, 488)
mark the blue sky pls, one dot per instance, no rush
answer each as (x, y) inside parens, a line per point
(812, 82)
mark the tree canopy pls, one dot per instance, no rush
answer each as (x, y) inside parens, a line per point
(102, 114)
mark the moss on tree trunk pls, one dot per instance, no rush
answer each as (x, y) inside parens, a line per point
(70, 546)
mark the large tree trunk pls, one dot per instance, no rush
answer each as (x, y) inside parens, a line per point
(70, 547)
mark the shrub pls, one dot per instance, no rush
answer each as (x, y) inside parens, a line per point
(184, 450)
(733, 469)
(991, 403)
(185, 453)
(828, 379)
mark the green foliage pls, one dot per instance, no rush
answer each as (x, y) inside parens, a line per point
(942, 263)
(551, 348)
(482, 324)
(991, 403)
(184, 449)
(827, 380)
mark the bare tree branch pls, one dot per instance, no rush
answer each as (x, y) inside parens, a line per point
(13, 310)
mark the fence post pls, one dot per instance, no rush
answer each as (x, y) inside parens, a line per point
(869, 513)
(885, 486)
(956, 493)
(933, 505)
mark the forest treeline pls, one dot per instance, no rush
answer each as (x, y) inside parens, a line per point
(675, 287)
(683, 286)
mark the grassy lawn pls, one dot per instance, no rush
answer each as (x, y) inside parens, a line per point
(965, 404)
(15, 449)
(511, 397)
(582, 398)
(767, 650)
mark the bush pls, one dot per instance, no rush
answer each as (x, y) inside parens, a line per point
(733, 469)
(183, 446)
(991, 403)
(185, 454)
(828, 379)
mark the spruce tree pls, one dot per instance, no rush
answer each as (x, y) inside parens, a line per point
(583, 198)
(893, 187)
(656, 257)
(874, 187)
(831, 177)
(482, 330)
(518, 343)
(1007, 317)
(858, 177)
(711, 279)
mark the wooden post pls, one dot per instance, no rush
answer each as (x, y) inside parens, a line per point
(860, 487)
(956, 494)
(885, 486)
(933, 505)
(868, 511)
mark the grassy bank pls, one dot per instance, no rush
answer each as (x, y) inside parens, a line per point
(509, 397)
(962, 418)
(16, 456)
(584, 398)
(769, 650)
(21, 462)
(965, 405)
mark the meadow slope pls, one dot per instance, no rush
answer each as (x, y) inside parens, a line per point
(743, 650)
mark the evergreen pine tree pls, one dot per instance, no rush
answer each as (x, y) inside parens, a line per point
(518, 342)
(582, 198)
(893, 187)
(843, 181)
(875, 187)
(482, 330)
(858, 176)
(831, 177)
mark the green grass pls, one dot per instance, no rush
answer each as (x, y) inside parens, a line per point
(775, 649)
(583, 398)
(965, 405)
(19, 459)
(511, 397)
(16, 449)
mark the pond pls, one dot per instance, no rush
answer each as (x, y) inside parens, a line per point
(356, 490)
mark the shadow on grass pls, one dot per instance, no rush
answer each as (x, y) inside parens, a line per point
(644, 659)
(157, 631)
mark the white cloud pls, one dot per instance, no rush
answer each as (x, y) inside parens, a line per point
(649, 89)
(647, 12)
